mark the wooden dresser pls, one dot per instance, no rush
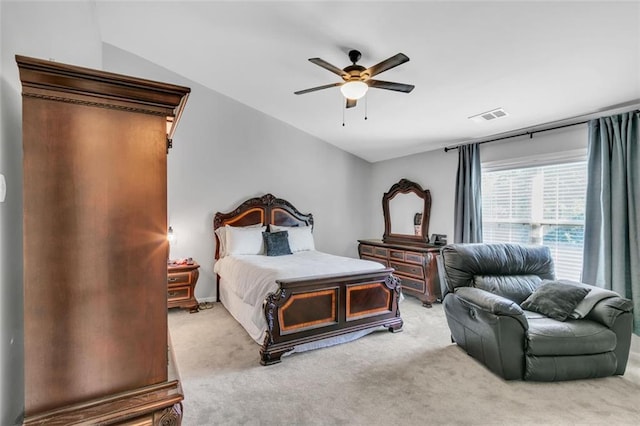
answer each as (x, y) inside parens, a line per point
(415, 266)
(181, 286)
(96, 344)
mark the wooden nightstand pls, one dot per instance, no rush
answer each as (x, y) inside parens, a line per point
(181, 286)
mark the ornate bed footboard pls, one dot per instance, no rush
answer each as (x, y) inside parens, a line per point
(304, 310)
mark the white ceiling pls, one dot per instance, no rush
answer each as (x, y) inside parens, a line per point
(540, 61)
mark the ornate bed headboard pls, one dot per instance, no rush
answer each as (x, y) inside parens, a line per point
(266, 210)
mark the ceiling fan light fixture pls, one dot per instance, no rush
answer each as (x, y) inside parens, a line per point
(354, 89)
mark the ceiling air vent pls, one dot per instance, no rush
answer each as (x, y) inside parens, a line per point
(489, 115)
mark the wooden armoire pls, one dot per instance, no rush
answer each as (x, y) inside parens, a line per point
(96, 346)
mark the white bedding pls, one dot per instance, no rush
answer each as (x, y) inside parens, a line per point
(254, 276)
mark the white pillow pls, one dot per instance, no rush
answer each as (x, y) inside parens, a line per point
(300, 237)
(222, 237)
(222, 241)
(244, 240)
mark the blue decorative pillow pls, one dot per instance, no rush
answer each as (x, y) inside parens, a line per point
(276, 243)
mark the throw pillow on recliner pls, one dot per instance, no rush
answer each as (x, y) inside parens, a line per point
(555, 299)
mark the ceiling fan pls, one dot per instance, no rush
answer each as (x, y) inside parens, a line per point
(357, 79)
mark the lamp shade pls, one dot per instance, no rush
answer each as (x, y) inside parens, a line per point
(354, 89)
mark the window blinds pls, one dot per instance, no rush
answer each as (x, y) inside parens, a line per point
(538, 205)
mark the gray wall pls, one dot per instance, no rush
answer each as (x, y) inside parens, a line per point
(433, 170)
(225, 152)
(67, 33)
(542, 145)
(436, 171)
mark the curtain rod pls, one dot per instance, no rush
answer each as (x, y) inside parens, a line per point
(530, 133)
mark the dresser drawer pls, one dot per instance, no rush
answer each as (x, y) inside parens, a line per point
(406, 269)
(396, 255)
(414, 258)
(380, 252)
(365, 249)
(411, 285)
(179, 293)
(179, 278)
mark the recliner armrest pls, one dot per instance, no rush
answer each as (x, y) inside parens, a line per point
(607, 311)
(492, 303)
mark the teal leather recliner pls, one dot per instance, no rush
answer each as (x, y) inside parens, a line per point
(486, 284)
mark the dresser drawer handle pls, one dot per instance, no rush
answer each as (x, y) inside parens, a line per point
(173, 293)
(173, 280)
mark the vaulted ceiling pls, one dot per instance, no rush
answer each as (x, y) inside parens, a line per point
(540, 62)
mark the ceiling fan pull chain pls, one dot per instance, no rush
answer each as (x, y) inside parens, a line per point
(366, 102)
(343, 109)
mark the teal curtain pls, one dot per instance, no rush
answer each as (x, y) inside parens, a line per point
(612, 223)
(468, 207)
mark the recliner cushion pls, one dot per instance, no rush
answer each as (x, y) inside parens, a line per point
(462, 262)
(590, 300)
(547, 336)
(513, 287)
(556, 368)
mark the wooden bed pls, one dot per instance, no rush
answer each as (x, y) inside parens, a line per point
(309, 309)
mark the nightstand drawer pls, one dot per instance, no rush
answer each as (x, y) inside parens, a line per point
(179, 293)
(405, 269)
(179, 278)
(181, 286)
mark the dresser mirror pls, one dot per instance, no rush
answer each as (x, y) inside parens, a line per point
(406, 209)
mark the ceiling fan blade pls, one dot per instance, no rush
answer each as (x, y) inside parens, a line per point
(398, 87)
(351, 103)
(387, 64)
(313, 89)
(326, 65)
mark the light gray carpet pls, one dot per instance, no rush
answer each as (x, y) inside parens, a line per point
(413, 377)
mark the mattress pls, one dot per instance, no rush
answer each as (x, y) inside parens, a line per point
(254, 276)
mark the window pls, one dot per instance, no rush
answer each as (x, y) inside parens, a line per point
(538, 205)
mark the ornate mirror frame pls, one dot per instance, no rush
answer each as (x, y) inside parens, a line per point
(405, 186)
